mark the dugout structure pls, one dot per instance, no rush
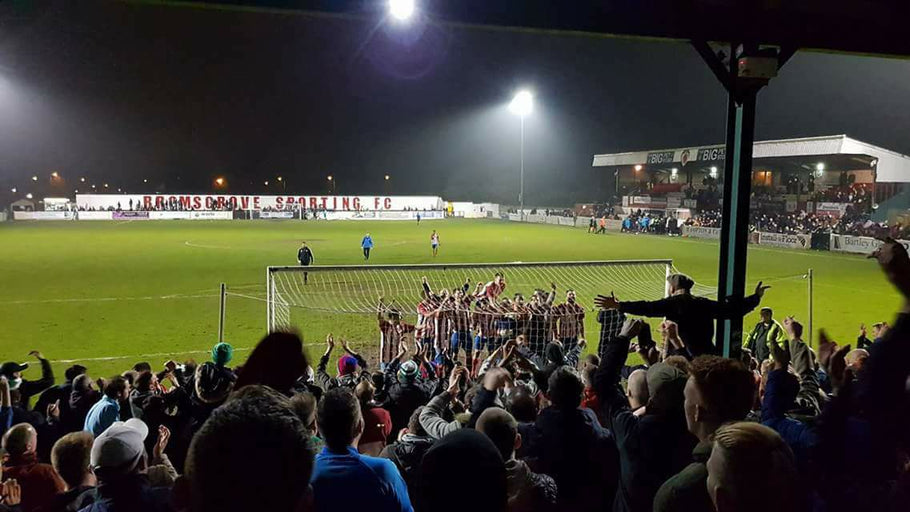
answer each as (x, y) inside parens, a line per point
(344, 299)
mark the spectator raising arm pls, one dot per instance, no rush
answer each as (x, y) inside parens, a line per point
(323, 379)
(29, 388)
(431, 416)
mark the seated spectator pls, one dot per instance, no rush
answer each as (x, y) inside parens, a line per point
(120, 463)
(463, 454)
(106, 411)
(377, 424)
(277, 361)
(718, 391)
(365, 482)
(654, 446)
(39, 482)
(526, 490)
(253, 453)
(751, 469)
(408, 451)
(71, 458)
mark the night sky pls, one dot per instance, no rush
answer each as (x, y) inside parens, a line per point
(179, 95)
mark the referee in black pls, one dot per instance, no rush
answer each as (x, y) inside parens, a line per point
(305, 257)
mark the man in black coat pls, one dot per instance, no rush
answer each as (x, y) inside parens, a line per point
(694, 315)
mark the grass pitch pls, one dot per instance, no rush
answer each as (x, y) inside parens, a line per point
(113, 293)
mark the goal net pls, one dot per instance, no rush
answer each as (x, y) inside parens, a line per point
(457, 305)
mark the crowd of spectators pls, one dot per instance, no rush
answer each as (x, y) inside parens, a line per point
(857, 194)
(777, 427)
(852, 223)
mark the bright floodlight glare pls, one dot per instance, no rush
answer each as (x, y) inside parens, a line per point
(330, 178)
(387, 177)
(13, 190)
(34, 178)
(55, 174)
(522, 104)
(819, 166)
(674, 171)
(145, 180)
(28, 196)
(82, 180)
(401, 10)
(638, 167)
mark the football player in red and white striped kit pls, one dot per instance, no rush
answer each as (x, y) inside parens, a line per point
(571, 321)
(493, 289)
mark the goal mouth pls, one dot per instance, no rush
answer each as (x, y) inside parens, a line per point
(345, 299)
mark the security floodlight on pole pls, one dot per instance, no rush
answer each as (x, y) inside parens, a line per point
(332, 183)
(284, 184)
(401, 10)
(522, 105)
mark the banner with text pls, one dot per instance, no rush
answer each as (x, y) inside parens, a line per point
(131, 215)
(785, 241)
(858, 244)
(701, 232)
(255, 202)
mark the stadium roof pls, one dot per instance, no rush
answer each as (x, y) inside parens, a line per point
(837, 152)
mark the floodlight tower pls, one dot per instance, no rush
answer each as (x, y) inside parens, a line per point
(522, 105)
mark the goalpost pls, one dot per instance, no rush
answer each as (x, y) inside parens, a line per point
(344, 299)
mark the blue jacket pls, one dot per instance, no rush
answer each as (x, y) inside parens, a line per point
(367, 242)
(357, 482)
(799, 436)
(102, 415)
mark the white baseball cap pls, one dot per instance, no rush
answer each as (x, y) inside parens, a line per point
(120, 447)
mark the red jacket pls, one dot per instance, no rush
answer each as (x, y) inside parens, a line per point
(377, 425)
(590, 401)
(39, 482)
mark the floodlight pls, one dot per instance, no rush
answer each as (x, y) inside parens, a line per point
(401, 10)
(522, 104)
